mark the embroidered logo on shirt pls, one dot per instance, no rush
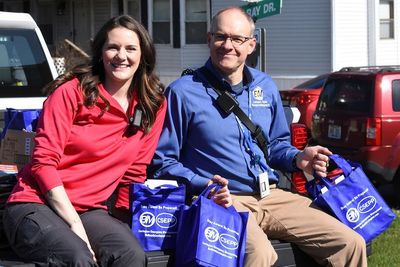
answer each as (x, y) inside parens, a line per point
(258, 98)
(258, 93)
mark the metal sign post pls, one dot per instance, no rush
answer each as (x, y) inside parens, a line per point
(257, 59)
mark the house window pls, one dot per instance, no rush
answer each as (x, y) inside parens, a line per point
(195, 21)
(133, 7)
(386, 19)
(161, 22)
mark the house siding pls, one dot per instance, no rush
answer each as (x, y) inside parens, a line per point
(298, 41)
(172, 61)
(101, 13)
(293, 51)
(350, 33)
(388, 52)
(308, 38)
(298, 44)
(168, 63)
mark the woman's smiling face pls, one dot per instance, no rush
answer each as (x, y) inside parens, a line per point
(121, 56)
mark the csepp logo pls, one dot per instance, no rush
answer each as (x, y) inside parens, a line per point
(166, 220)
(366, 204)
(147, 219)
(352, 215)
(228, 242)
(211, 234)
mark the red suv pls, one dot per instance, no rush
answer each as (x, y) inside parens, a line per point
(358, 117)
(304, 96)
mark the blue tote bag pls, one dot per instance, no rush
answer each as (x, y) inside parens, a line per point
(20, 119)
(352, 199)
(155, 215)
(211, 235)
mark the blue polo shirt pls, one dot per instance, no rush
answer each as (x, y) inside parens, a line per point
(198, 140)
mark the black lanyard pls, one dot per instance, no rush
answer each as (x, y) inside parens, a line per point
(229, 104)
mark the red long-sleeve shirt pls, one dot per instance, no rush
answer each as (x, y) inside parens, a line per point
(85, 152)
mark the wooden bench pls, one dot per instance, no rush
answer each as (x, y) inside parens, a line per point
(288, 256)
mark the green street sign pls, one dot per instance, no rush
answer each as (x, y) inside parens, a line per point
(263, 8)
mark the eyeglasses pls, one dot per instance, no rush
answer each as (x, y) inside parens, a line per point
(235, 39)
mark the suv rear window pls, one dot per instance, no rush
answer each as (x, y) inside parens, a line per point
(349, 94)
(23, 66)
(396, 95)
(314, 83)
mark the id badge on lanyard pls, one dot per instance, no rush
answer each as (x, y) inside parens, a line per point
(263, 179)
(263, 183)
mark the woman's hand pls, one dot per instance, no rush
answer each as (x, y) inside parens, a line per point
(223, 196)
(60, 203)
(79, 230)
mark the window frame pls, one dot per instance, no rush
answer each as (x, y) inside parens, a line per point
(151, 21)
(388, 22)
(181, 34)
(184, 22)
(129, 3)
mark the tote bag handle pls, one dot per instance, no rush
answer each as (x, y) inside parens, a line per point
(207, 191)
(157, 189)
(5, 129)
(28, 115)
(141, 187)
(342, 164)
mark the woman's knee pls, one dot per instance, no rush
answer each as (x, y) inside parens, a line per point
(76, 258)
(123, 257)
(136, 256)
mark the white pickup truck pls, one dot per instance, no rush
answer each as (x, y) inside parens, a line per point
(25, 62)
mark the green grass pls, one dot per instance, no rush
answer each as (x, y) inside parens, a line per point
(386, 247)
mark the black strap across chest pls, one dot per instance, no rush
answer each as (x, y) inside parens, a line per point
(229, 104)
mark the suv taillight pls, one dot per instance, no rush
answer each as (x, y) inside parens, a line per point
(299, 140)
(305, 99)
(285, 95)
(373, 132)
(298, 135)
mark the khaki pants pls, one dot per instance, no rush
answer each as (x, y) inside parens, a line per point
(291, 217)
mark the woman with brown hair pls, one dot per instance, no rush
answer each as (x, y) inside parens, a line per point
(100, 122)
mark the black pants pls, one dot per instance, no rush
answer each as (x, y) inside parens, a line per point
(37, 234)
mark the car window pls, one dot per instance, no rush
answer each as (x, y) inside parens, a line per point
(314, 83)
(347, 94)
(396, 95)
(23, 66)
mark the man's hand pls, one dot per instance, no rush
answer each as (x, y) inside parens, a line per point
(314, 158)
(223, 196)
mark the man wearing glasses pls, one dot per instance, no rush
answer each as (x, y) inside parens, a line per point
(201, 139)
